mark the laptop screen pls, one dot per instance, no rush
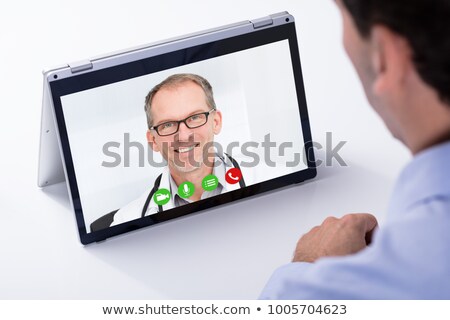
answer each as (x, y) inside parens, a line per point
(178, 132)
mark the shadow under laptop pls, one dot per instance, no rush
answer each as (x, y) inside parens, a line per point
(231, 251)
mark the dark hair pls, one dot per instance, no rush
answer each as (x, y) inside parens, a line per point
(426, 26)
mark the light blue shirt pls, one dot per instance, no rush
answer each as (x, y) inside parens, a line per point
(409, 257)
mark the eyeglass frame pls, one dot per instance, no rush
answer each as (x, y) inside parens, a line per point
(206, 113)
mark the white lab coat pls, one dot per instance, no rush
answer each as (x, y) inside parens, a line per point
(133, 210)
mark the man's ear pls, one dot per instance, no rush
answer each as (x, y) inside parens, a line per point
(217, 122)
(390, 59)
(151, 141)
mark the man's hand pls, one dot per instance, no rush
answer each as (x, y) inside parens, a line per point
(336, 237)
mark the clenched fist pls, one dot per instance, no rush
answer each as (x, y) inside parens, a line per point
(336, 237)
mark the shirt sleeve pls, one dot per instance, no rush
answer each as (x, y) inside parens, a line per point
(408, 259)
(326, 279)
(367, 275)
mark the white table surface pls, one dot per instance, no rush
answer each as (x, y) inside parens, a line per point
(223, 253)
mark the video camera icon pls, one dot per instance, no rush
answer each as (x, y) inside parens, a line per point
(161, 197)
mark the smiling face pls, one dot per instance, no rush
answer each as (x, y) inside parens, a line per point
(184, 151)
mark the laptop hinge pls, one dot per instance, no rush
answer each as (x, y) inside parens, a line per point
(80, 66)
(262, 22)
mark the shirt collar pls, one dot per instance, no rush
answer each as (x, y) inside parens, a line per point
(218, 170)
(426, 176)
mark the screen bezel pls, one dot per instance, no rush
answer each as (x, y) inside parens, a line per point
(169, 60)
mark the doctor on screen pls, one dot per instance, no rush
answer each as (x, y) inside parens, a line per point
(183, 119)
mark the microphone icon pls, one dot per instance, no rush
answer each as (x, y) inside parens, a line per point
(186, 189)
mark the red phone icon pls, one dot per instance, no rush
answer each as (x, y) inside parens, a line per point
(234, 175)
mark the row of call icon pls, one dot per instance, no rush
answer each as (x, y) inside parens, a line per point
(186, 189)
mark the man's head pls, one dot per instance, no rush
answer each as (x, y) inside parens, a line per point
(400, 50)
(180, 97)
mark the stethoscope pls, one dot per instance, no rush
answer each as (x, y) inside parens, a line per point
(158, 182)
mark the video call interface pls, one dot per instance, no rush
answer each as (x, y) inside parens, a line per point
(152, 143)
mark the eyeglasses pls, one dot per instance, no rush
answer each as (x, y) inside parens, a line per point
(171, 127)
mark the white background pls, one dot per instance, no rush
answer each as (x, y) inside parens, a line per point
(227, 252)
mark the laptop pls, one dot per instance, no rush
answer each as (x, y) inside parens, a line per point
(157, 132)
